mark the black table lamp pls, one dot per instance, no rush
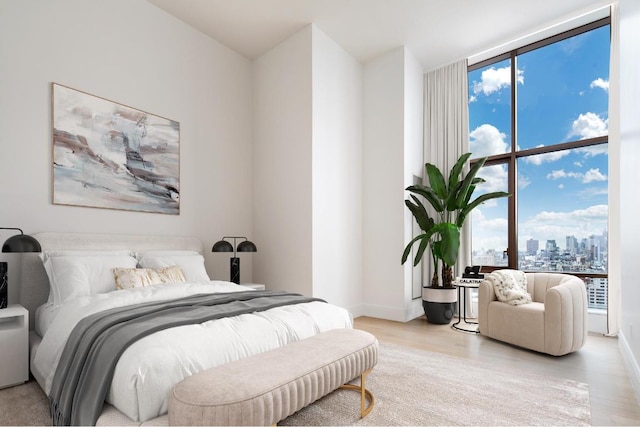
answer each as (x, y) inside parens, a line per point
(244, 246)
(18, 243)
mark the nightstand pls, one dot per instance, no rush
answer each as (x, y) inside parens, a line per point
(14, 345)
(256, 286)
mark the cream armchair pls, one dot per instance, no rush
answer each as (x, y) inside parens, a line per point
(555, 322)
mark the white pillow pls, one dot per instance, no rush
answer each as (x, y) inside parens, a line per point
(161, 253)
(76, 276)
(46, 256)
(192, 265)
(510, 286)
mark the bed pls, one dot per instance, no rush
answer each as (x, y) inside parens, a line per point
(147, 370)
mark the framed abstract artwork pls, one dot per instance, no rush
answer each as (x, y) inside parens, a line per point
(109, 155)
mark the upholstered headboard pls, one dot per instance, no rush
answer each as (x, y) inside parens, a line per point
(34, 289)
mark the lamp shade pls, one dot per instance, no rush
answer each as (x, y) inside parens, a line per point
(21, 243)
(17, 243)
(222, 246)
(247, 246)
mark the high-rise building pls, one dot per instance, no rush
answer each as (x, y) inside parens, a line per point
(572, 245)
(552, 249)
(597, 292)
(532, 247)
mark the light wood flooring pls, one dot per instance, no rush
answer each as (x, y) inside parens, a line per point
(599, 363)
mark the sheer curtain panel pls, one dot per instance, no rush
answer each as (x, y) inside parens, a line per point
(446, 135)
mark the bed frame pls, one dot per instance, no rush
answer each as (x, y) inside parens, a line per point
(34, 290)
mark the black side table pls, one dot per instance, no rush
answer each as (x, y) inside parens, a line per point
(457, 326)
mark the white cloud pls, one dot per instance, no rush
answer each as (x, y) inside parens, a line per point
(523, 182)
(495, 179)
(601, 83)
(472, 98)
(591, 192)
(488, 233)
(492, 224)
(593, 175)
(496, 224)
(578, 164)
(557, 174)
(549, 225)
(597, 212)
(486, 140)
(590, 176)
(539, 159)
(589, 125)
(494, 79)
(593, 150)
(560, 186)
(489, 203)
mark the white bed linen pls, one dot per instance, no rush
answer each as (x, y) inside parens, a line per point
(44, 317)
(149, 369)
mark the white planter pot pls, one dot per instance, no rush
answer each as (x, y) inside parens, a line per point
(440, 294)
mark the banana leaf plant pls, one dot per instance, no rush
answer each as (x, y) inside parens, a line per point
(451, 201)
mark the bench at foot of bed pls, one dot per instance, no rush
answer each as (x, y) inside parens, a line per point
(268, 387)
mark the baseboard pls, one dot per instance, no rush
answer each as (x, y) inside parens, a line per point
(631, 364)
(383, 312)
(415, 310)
(355, 310)
(412, 311)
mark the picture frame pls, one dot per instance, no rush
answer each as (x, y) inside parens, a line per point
(112, 156)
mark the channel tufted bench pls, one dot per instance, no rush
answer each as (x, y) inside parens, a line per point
(268, 387)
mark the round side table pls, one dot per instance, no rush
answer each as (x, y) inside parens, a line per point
(457, 326)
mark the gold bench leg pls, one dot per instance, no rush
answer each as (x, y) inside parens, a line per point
(364, 394)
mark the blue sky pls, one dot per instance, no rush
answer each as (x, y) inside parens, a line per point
(562, 92)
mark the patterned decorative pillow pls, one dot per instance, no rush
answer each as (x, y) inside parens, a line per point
(139, 277)
(510, 286)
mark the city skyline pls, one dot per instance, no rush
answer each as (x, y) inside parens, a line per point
(588, 255)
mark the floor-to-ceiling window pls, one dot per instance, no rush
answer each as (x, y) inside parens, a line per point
(540, 115)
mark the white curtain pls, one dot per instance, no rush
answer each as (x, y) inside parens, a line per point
(614, 300)
(446, 134)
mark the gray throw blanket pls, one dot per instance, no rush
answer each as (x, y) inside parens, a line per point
(85, 371)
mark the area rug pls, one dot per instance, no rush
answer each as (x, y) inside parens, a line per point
(416, 387)
(411, 387)
(24, 405)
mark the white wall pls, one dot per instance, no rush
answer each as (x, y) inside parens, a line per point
(413, 165)
(629, 203)
(282, 180)
(131, 52)
(307, 174)
(337, 174)
(392, 126)
(382, 192)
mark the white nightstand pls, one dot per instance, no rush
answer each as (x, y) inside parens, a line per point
(14, 345)
(256, 286)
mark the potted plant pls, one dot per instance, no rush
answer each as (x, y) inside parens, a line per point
(451, 202)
